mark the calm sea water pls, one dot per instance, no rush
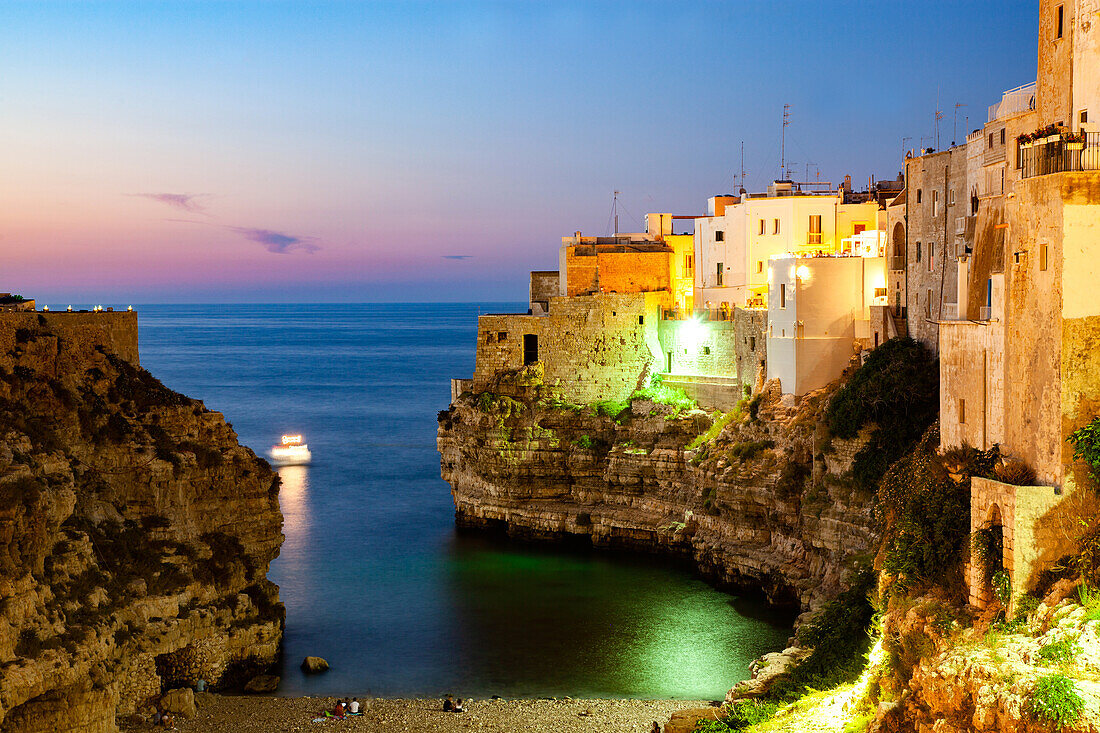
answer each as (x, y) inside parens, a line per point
(374, 576)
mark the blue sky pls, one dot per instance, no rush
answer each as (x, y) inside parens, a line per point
(348, 151)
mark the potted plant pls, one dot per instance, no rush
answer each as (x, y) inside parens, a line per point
(1074, 141)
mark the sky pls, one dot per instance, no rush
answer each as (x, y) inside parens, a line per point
(160, 152)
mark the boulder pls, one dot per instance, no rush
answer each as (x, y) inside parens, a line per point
(314, 665)
(262, 683)
(180, 702)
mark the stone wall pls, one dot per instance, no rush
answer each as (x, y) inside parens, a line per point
(752, 346)
(544, 286)
(1018, 509)
(599, 269)
(972, 384)
(116, 331)
(937, 178)
(591, 347)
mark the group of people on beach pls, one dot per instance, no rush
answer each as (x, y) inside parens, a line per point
(344, 707)
(450, 706)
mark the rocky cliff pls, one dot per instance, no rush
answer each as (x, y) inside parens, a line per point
(135, 537)
(765, 502)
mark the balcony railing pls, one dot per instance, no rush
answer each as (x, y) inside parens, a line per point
(1058, 156)
(984, 313)
(1014, 101)
(897, 262)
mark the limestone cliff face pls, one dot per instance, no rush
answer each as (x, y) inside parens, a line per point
(757, 506)
(135, 537)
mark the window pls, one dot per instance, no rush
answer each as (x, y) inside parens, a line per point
(689, 264)
(1002, 136)
(951, 198)
(1042, 257)
(641, 320)
(935, 202)
(859, 228)
(759, 266)
(502, 335)
(760, 227)
(962, 411)
(530, 349)
(706, 351)
(783, 295)
(1084, 116)
(752, 343)
(918, 251)
(990, 140)
(719, 236)
(815, 229)
(928, 305)
(1059, 21)
(931, 257)
(775, 226)
(918, 195)
(718, 277)
(488, 337)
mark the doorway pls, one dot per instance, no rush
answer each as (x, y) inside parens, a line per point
(530, 349)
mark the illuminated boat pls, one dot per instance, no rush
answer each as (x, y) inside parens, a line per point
(290, 452)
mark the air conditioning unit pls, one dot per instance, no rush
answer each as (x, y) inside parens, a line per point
(960, 225)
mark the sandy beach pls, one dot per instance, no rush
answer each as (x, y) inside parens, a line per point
(241, 714)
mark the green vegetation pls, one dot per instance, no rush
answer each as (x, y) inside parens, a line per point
(1090, 599)
(747, 450)
(584, 442)
(715, 429)
(924, 500)
(1055, 699)
(1014, 472)
(1086, 446)
(1002, 587)
(1060, 652)
(614, 409)
(896, 390)
(1026, 605)
(741, 715)
(841, 639)
(665, 395)
(987, 546)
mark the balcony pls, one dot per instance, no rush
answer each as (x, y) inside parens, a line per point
(985, 313)
(950, 311)
(1058, 156)
(1013, 102)
(897, 262)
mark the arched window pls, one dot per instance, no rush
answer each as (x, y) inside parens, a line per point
(899, 240)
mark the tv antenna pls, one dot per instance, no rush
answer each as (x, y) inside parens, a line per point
(615, 209)
(903, 141)
(783, 143)
(742, 167)
(938, 116)
(955, 122)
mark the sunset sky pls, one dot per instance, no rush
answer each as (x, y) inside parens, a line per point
(268, 152)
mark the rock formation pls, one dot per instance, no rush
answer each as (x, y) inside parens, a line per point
(135, 537)
(765, 504)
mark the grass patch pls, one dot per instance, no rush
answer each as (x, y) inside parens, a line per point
(584, 442)
(1060, 652)
(746, 451)
(614, 409)
(665, 395)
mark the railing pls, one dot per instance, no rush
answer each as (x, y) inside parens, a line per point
(699, 314)
(1013, 102)
(950, 311)
(1057, 156)
(984, 313)
(897, 262)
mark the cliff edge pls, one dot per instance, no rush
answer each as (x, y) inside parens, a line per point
(135, 534)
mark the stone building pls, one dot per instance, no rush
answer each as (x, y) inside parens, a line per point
(1023, 369)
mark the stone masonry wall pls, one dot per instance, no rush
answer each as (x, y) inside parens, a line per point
(591, 347)
(117, 331)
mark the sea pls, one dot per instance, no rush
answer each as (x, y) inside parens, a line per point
(374, 575)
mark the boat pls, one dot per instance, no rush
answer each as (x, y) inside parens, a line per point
(290, 452)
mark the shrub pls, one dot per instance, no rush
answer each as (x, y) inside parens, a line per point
(1086, 446)
(927, 515)
(840, 637)
(1002, 587)
(1014, 472)
(1055, 699)
(897, 390)
(987, 546)
(584, 442)
(665, 395)
(714, 430)
(1025, 606)
(746, 451)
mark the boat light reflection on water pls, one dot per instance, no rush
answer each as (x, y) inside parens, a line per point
(294, 501)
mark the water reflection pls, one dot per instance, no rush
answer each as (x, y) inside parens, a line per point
(294, 501)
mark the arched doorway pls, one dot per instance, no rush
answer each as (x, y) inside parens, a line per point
(987, 545)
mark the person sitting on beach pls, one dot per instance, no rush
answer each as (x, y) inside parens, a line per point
(353, 706)
(448, 704)
(166, 720)
(339, 710)
(458, 706)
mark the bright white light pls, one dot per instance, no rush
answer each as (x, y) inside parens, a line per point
(694, 333)
(803, 272)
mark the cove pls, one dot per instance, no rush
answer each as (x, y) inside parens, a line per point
(373, 573)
